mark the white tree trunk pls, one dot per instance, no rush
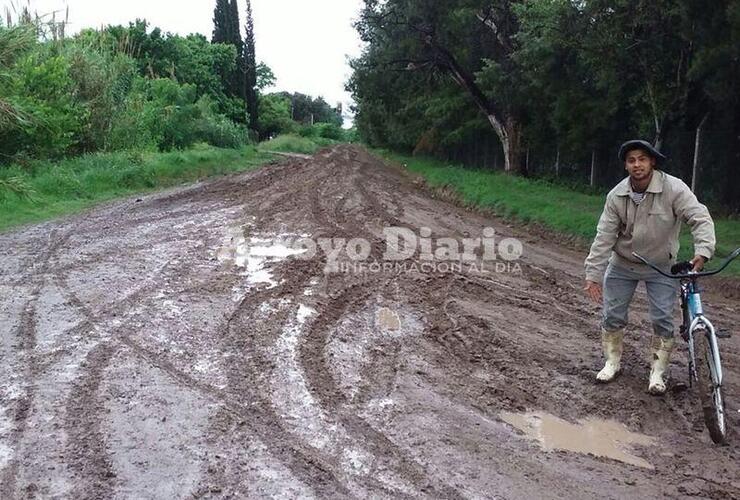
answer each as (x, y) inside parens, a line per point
(503, 136)
(697, 147)
(593, 166)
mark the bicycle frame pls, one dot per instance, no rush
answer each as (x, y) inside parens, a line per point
(693, 321)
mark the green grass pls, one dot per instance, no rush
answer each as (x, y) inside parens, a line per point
(291, 143)
(43, 190)
(550, 205)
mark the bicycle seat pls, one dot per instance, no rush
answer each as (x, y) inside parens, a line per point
(681, 267)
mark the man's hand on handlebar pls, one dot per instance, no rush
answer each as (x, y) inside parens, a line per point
(698, 262)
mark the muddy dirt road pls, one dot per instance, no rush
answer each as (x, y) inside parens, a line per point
(170, 347)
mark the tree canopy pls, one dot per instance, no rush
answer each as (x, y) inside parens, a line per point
(553, 86)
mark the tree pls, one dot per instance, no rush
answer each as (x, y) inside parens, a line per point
(265, 77)
(449, 37)
(221, 24)
(239, 79)
(226, 31)
(250, 70)
(274, 115)
(308, 110)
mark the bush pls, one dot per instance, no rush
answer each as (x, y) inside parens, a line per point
(290, 143)
(330, 131)
(308, 131)
(221, 132)
(165, 115)
(325, 130)
(41, 86)
(100, 91)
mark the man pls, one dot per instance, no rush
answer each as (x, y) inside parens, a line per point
(643, 214)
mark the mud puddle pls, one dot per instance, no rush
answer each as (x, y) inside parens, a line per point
(388, 320)
(603, 438)
(253, 253)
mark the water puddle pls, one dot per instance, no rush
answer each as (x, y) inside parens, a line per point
(603, 438)
(253, 252)
(388, 320)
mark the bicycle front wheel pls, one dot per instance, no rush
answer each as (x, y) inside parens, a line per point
(712, 403)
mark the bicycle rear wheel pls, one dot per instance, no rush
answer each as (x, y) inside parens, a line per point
(712, 402)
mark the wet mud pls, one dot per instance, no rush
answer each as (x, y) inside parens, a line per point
(180, 345)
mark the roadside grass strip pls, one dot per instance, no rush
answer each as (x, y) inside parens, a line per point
(550, 205)
(38, 190)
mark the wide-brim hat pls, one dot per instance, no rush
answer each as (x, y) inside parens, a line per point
(640, 144)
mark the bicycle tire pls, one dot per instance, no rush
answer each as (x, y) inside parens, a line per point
(712, 402)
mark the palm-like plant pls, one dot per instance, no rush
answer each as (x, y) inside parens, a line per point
(14, 41)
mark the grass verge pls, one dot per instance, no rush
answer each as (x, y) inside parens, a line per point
(291, 143)
(536, 201)
(43, 190)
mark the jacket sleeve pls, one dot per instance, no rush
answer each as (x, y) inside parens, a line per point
(607, 231)
(696, 215)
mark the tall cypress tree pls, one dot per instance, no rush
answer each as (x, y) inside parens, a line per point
(221, 22)
(250, 69)
(226, 30)
(238, 85)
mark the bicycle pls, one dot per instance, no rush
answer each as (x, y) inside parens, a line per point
(705, 366)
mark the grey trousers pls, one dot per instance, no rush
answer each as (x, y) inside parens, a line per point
(619, 286)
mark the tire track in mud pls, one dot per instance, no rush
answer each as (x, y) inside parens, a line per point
(87, 452)
(249, 408)
(327, 226)
(85, 394)
(87, 448)
(247, 369)
(94, 462)
(325, 388)
(312, 349)
(303, 460)
(26, 337)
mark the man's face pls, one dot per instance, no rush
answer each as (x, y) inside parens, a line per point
(639, 164)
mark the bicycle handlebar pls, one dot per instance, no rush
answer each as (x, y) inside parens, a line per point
(690, 274)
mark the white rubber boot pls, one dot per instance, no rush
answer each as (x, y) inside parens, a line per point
(612, 344)
(660, 352)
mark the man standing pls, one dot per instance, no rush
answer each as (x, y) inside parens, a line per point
(643, 214)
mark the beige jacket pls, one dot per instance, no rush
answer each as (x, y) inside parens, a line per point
(651, 228)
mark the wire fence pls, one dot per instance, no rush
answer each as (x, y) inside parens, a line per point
(718, 168)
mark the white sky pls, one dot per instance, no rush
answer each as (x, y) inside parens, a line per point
(305, 42)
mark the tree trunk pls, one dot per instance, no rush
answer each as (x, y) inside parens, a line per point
(510, 136)
(593, 166)
(557, 163)
(514, 148)
(697, 147)
(658, 141)
(507, 128)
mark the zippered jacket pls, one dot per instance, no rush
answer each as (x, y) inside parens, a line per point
(651, 228)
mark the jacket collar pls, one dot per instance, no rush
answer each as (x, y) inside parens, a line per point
(624, 188)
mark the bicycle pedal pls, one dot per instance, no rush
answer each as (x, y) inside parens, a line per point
(723, 334)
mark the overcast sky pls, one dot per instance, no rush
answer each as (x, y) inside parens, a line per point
(305, 42)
